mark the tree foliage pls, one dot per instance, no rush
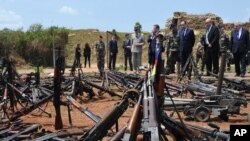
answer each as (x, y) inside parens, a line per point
(35, 45)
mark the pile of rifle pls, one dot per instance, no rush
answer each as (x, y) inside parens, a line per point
(148, 121)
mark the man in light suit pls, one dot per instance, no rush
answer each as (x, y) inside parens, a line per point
(187, 40)
(239, 48)
(212, 47)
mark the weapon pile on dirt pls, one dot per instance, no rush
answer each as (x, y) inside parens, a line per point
(149, 120)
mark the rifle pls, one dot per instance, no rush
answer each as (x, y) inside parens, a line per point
(100, 129)
(4, 102)
(189, 65)
(215, 133)
(88, 113)
(131, 130)
(30, 108)
(58, 136)
(57, 94)
(26, 98)
(102, 89)
(150, 124)
(27, 130)
(196, 133)
(119, 134)
(235, 83)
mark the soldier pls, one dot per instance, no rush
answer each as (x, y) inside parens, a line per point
(224, 46)
(173, 44)
(200, 52)
(100, 53)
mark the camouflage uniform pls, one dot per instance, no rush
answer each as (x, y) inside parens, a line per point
(200, 53)
(100, 53)
(224, 48)
(173, 43)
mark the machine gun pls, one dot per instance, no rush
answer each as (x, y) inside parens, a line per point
(215, 105)
(236, 84)
(201, 108)
(208, 89)
(189, 65)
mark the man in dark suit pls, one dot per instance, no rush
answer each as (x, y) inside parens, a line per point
(212, 47)
(127, 52)
(239, 47)
(152, 44)
(113, 50)
(187, 40)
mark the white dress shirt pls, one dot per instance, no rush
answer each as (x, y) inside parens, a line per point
(207, 42)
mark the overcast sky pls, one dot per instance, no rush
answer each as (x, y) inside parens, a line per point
(112, 14)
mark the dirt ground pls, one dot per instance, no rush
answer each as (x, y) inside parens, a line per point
(101, 105)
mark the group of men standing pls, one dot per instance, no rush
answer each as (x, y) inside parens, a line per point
(132, 51)
(180, 45)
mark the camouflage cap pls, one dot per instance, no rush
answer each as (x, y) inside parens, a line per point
(137, 26)
(172, 25)
(221, 26)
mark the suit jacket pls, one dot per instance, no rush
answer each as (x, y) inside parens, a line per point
(213, 39)
(187, 41)
(126, 43)
(113, 47)
(240, 45)
(152, 49)
(77, 52)
(86, 51)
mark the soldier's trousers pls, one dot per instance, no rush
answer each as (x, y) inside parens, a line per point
(171, 61)
(202, 58)
(100, 65)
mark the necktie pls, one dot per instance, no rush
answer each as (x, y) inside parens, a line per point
(237, 34)
(185, 31)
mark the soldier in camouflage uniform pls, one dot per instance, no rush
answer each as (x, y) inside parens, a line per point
(100, 53)
(224, 46)
(172, 44)
(200, 53)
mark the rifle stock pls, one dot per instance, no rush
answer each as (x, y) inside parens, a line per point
(131, 131)
(56, 100)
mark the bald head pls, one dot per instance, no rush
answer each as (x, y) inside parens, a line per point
(208, 22)
(237, 25)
